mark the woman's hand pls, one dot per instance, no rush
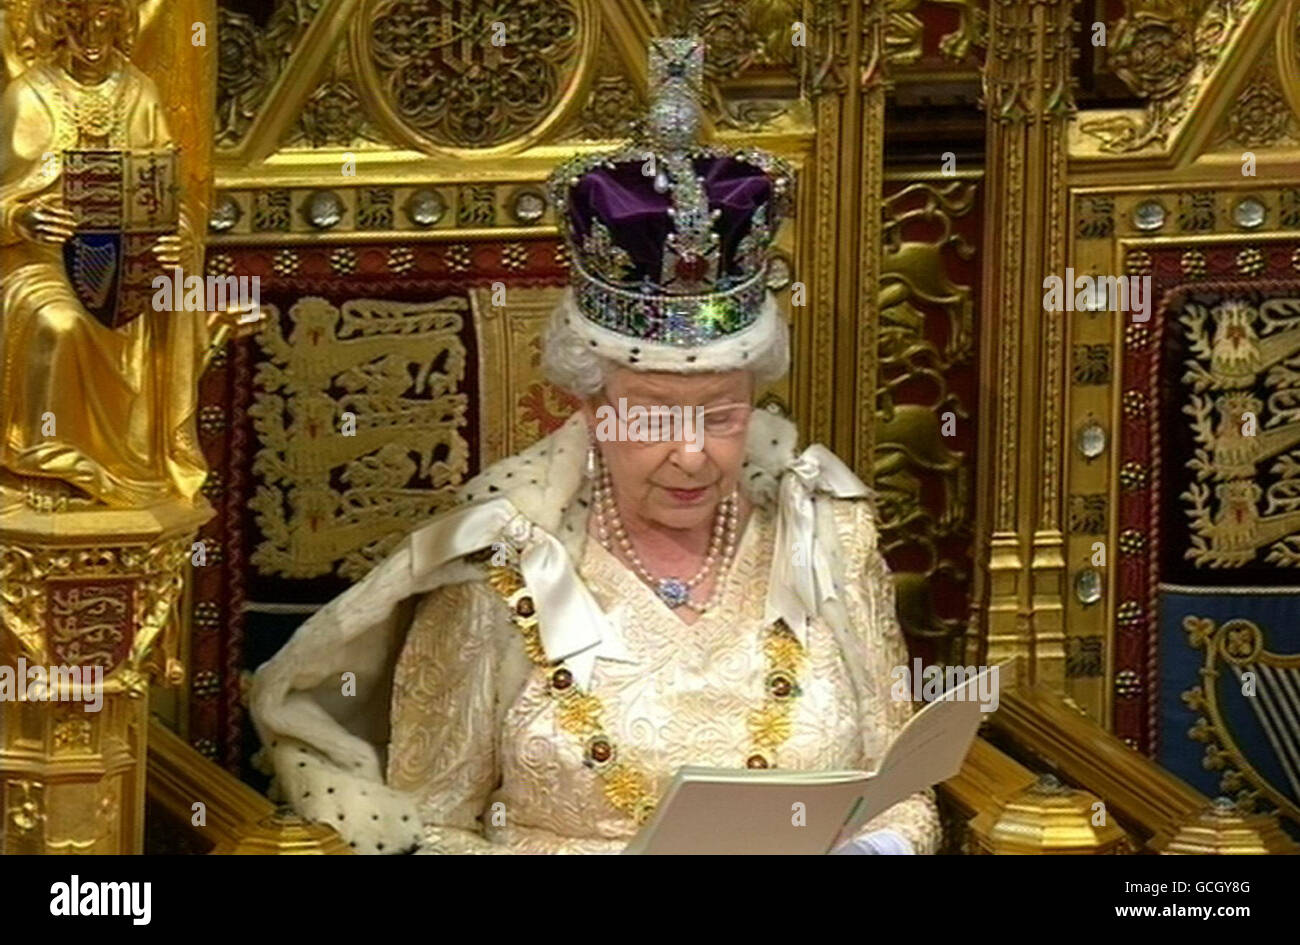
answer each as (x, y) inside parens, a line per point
(47, 220)
(167, 250)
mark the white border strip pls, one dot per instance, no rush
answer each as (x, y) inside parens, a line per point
(1208, 591)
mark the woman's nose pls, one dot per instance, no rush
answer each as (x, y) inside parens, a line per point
(689, 456)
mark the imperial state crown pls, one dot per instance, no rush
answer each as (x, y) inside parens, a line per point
(669, 238)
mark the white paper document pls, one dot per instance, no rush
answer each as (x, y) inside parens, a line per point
(742, 811)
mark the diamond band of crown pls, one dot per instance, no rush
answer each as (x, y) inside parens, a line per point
(682, 320)
(670, 239)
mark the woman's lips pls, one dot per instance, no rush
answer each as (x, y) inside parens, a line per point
(688, 496)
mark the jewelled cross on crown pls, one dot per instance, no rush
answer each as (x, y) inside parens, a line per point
(669, 236)
(690, 261)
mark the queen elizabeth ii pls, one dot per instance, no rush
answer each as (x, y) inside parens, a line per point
(526, 672)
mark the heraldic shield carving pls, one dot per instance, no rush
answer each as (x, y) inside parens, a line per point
(90, 622)
(123, 201)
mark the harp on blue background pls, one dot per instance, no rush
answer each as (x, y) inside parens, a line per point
(1231, 724)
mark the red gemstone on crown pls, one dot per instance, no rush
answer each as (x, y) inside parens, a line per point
(691, 267)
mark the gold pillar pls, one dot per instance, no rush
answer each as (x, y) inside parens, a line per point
(847, 87)
(71, 771)
(96, 524)
(1029, 101)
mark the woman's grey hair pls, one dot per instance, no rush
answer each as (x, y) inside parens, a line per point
(569, 363)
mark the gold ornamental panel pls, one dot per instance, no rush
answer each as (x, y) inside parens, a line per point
(1288, 55)
(102, 604)
(1168, 60)
(926, 340)
(69, 782)
(469, 75)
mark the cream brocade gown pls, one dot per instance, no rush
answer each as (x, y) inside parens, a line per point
(464, 737)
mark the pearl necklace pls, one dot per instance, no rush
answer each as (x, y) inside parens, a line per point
(672, 591)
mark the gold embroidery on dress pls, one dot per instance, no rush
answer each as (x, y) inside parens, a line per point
(580, 713)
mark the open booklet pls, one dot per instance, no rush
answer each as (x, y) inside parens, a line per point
(776, 811)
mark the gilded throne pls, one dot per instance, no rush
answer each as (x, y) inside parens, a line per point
(405, 297)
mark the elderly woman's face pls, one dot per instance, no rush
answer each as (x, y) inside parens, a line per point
(676, 483)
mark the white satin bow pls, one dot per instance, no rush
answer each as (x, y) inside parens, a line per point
(571, 624)
(802, 578)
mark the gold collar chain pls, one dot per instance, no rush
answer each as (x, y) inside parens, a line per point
(97, 111)
(580, 713)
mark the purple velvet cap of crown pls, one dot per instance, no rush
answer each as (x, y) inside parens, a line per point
(624, 199)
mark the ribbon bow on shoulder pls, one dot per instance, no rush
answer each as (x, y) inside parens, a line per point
(803, 579)
(571, 624)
